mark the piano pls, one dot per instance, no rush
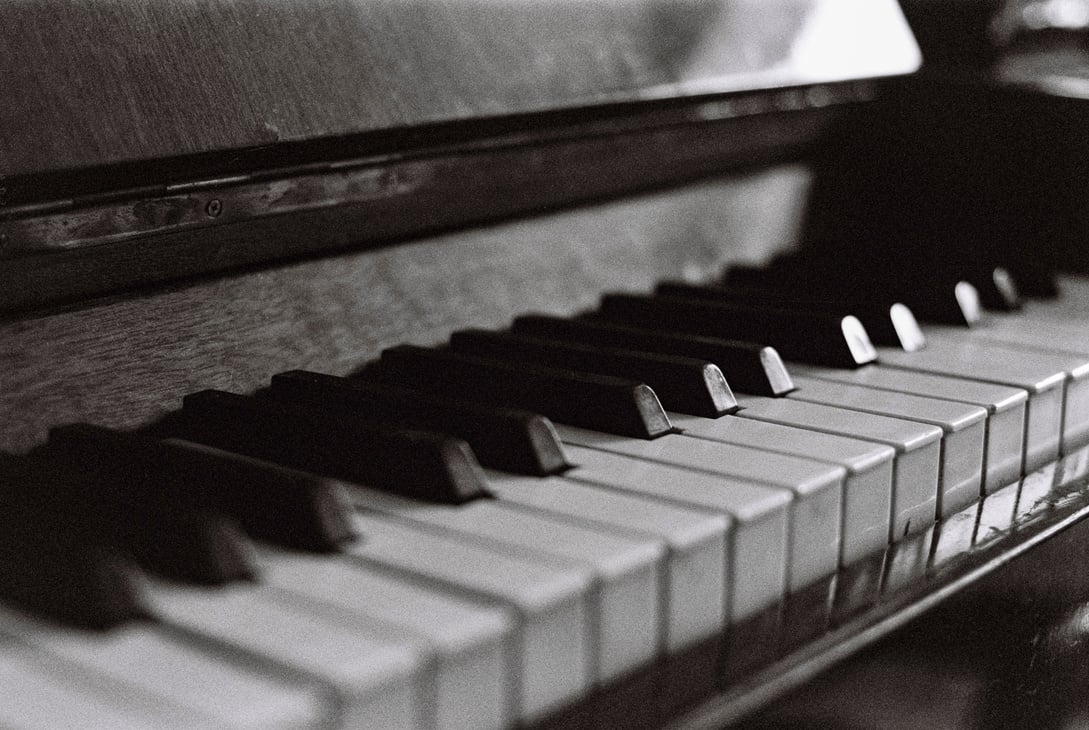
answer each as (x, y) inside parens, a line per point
(655, 363)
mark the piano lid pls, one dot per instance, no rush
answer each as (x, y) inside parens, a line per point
(89, 84)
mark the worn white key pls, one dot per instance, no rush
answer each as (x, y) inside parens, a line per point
(918, 450)
(1034, 497)
(1004, 450)
(1073, 467)
(816, 512)
(867, 491)
(1055, 344)
(953, 537)
(143, 658)
(1043, 378)
(758, 549)
(45, 693)
(961, 473)
(996, 515)
(473, 640)
(380, 679)
(627, 568)
(906, 560)
(695, 580)
(553, 601)
(1049, 333)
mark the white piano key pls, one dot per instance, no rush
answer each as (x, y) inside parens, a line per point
(143, 657)
(996, 515)
(1017, 329)
(1073, 466)
(816, 513)
(1058, 332)
(1071, 304)
(1044, 379)
(1004, 451)
(473, 640)
(953, 537)
(1059, 342)
(696, 562)
(918, 450)
(907, 559)
(758, 549)
(553, 601)
(961, 474)
(627, 568)
(1034, 498)
(380, 680)
(44, 693)
(867, 491)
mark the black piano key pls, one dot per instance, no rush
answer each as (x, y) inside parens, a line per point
(47, 563)
(997, 289)
(892, 325)
(175, 540)
(411, 463)
(59, 575)
(747, 276)
(599, 402)
(683, 384)
(502, 438)
(1034, 280)
(192, 546)
(935, 292)
(931, 279)
(270, 502)
(945, 301)
(932, 296)
(820, 339)
(794, 273)
(748, 367)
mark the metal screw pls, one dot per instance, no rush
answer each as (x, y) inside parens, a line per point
(214, 207)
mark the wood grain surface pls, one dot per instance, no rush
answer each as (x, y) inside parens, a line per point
(92, 83)
(126, 362)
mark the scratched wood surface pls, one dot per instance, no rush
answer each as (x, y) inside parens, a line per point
(126, 362)
(91, 83)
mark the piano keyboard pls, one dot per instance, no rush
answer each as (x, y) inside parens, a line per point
(495, 533)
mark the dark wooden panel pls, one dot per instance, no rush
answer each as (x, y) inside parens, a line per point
(91, 83)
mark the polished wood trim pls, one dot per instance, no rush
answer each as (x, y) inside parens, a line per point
(50, 256)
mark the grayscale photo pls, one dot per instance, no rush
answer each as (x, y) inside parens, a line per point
(544, 364)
